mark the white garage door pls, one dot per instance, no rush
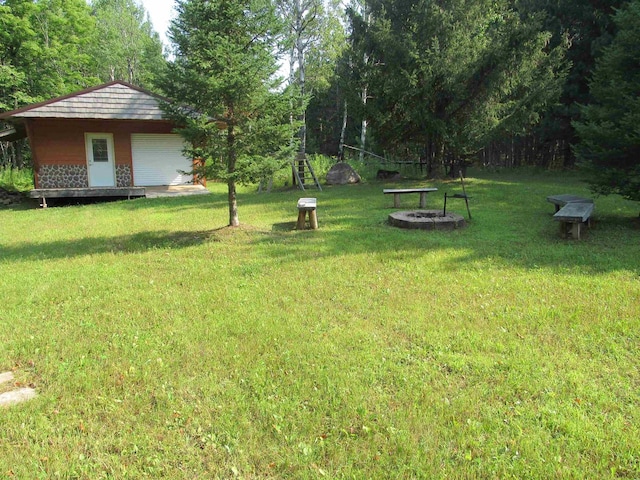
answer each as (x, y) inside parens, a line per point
(158, 160)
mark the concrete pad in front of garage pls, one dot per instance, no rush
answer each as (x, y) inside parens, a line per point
(175, 191)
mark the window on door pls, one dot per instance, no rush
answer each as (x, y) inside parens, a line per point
(100, 149)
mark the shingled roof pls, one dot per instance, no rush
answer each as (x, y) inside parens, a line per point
(111, 101)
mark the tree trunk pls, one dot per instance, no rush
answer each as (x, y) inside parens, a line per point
(435, 167)
(343, 132)
(234, 221)
(365, 123)
(363, 131)
(18, 151)
(303, 116)
(301, 81)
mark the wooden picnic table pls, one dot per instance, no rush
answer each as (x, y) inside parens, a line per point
(396, 192)
(572, 216)
(561, 200)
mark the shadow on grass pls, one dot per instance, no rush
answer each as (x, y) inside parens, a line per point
(511, 224)
(24, 204)
(284, 227)
(134, 243)
(605, 248)
(602, 250)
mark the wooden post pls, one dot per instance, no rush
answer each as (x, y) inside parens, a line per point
(423, 199)
(301, 219)
(575, 230)
(313, 219)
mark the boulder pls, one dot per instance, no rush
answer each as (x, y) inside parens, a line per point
(341, 174)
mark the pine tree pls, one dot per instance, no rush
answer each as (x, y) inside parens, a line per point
(447, 77)
(609, 132)
(234, 117)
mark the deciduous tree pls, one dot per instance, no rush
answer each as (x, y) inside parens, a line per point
(126, 48)
(44, 49)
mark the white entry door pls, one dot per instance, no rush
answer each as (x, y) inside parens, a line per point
(100, 160)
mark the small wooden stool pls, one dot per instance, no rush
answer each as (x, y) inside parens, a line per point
(307, 205)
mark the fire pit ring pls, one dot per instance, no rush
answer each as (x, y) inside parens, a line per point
(426, 220)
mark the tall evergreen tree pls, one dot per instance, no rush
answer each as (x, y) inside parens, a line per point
(609, 130)
(222, 75)
(450, 76)
(588, 27)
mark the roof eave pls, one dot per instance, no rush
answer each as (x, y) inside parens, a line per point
(17, 113)
(17, 132)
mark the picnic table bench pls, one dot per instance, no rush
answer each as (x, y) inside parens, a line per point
(572, 216)
(400, 191)
(307, 205)
(561, 200)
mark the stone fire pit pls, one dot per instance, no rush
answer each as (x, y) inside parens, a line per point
(426, 220)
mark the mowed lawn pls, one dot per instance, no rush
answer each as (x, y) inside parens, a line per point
(164, 345)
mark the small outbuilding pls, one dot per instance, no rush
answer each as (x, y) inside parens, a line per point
(109, 140)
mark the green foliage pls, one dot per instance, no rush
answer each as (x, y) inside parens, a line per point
(222, 77)
(16, 43)
(455, 75)
(314, 39)
(126, 46)
(609, 147)
(325, 51)
(588, 27)
(162, 345)
(324, 111)
(53, 47)
(44, 49)
(16, 179)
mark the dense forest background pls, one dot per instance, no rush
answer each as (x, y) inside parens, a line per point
(441, 82)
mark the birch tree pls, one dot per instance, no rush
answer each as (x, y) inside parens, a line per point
(127, 46)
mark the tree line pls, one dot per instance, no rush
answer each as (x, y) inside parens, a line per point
(442, 83)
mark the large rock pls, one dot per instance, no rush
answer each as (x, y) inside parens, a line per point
(341, 174)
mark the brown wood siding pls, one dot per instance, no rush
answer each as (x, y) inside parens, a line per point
(34, 156)
(62, 142)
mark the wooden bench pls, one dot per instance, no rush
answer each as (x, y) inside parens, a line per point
(307, 205)
(400, 191)
(572, 216)
(561, 200)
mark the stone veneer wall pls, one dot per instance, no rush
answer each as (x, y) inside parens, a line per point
(123, 176)
(62, 176)
(75, 176)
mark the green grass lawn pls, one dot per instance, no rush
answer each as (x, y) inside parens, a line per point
(163, 344)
